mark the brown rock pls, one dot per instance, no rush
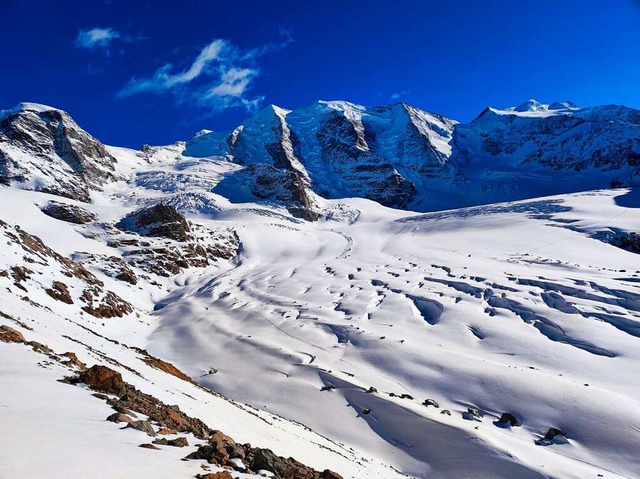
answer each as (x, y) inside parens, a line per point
(119, 417)
(166, 367)
(40, 348)
(10, 335)
(73, 360)
(104, 379)
(177, 442)
(327, 474)
(149, 446)
(215, 475)
(60, 292)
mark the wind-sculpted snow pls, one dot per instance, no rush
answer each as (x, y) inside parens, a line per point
(447, 308)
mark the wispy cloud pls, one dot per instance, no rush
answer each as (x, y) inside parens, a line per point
(102, 38)
(220, 77)
(398, 94)
(96, 38)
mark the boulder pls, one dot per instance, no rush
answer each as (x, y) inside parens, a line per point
(554, 432)
(328, 474)
(160, 220)
(430, 402)
(69, 213)
(177, 442)
(265, 459)
(215, 475)
(10, 335)
(144, 426)
(149, 446)
(119, 417)
(509, 419)
(103, 379)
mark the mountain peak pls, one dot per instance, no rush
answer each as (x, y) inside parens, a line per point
(531, 105)
(27, 106)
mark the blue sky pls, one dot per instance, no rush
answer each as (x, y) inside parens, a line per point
(134, 72)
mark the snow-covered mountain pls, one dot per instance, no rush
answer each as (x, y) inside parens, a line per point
(404, 157)
(237, 301)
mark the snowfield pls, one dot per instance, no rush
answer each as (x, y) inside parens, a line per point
(324, 340)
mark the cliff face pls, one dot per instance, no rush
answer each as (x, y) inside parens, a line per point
(43, 149)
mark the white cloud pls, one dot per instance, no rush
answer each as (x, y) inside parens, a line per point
(396, 95)
(220, 77)
(96, 38)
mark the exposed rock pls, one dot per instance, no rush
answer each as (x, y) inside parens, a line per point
(60, 292)
(215, 475)
(628, 241)
(165, 366)
(149, 446)
(474, 412)
(554, 432)
(119, 417)
(111, 305)
(69, 213)
(101, 378)
(446, 411)
(44, 143)
(220, 448)
(328, 474)
(265, 459)
(72, 360)
(158, 220)
(178, 442)
(509, 419)
(40, 348)
(144, 426)
(430, 402)
(10, 335)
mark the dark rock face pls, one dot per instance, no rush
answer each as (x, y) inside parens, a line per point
(509, 419)
(554, 432)
(69, 160)
(69, 213)
(284, 186)
(265, 459)
(346, 155)
(628, 241)
(157, 221)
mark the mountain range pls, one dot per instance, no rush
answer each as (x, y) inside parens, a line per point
(332, 292)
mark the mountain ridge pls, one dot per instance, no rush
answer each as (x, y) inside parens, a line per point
(398, 155)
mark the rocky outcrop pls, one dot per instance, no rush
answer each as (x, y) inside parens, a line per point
(98, 301)
(159, 220)
(10, 335)
(69, 213)
(44, 142)
(179, 244)
(220, 449)
(103, 379)
(60, 292)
